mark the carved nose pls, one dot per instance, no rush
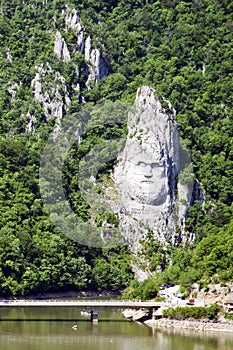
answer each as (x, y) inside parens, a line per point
(148, 171)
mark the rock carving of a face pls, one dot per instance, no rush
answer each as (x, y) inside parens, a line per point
(146, 164)
(144, 179)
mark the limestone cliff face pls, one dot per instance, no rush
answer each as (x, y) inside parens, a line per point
(60, 48)
(50, 88)
(96, 67)
(147, 174)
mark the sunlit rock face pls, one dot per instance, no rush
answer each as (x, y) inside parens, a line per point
(49, 87)
(60, 48)
(53, 96)
(147, 173)
(97, 67)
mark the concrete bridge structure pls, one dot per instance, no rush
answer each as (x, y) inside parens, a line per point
(91, 306)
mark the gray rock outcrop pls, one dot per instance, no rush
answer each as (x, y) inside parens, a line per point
(8, 55)
(73, 22)
(97, 66)
(49, 88)
(13, 89)
(30, 127)
(60, 48)
(148, 172)
(136, 315)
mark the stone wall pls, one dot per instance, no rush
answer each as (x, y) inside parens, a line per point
(164, 323)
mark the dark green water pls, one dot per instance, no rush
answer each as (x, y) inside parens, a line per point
(51, 329)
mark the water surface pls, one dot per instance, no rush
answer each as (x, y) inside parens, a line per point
(51, 329)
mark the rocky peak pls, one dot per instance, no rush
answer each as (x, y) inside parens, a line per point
(49, 87)
(73, 22)
(60, 48)
(72, 19)
(97, 66)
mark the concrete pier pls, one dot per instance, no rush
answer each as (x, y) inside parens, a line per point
(94, 316)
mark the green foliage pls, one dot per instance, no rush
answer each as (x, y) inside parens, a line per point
(144, 290)
(34, 257)
(208, 260)
(159, 298)
(194, 312)
(228, 316)
(113, 270)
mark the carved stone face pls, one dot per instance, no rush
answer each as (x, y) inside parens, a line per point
(144, 180)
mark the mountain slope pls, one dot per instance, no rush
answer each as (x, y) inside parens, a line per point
(56, 55)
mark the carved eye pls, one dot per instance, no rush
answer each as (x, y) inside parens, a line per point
(142, 164)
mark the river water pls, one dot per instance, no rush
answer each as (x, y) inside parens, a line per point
(51, 329)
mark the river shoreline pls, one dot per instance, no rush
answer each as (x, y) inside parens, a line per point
(164, 323)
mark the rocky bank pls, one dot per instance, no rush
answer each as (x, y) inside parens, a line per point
(164, 323)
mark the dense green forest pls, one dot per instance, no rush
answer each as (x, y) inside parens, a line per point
(184, 49)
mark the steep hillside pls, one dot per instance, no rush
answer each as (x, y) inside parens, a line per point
(57, 56)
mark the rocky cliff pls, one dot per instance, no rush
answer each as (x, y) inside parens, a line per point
(50, 88)
(153, 173)
(154, 193)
